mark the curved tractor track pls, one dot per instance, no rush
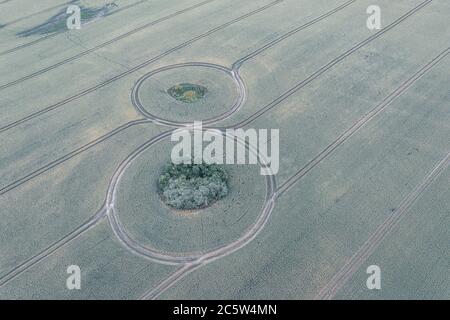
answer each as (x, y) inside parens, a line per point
(329, 291)
(197, 258)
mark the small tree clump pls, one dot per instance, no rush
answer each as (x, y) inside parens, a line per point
(192, 186)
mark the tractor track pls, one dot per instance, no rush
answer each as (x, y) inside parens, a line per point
(89, 145)
(329, 291)
(190, 266)
(361, 123)
(138, 67)
(8, 23)
(90, 223)
(331, 64)
(52, 35)
(287, 185)
(102, 45)
(253, 54)
(69, 155)
(238, 102)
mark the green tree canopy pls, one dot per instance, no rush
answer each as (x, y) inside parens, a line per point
(192, 186)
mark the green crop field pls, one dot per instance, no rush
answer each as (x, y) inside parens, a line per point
(86, 117)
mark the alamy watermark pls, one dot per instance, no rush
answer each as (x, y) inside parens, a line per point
(232, 146)
(374, 19)
(374, 280)
(74, 280)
